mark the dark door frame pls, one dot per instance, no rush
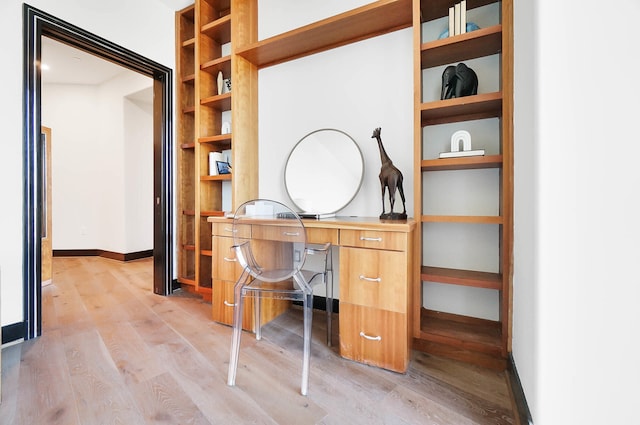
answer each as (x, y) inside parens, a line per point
(36, 24)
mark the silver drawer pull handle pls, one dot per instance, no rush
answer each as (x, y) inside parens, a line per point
(362, 238)
(291, 233)
(370, 279)
(230, 260)
(229, 229)
(370, 338)
(228, 304)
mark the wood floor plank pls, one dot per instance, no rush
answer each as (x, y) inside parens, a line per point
(134, 360)
(43, 370)
(10, 382)
(100, 393)
(162, 401)
(120, 354)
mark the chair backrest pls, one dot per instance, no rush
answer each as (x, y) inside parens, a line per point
(272, 238)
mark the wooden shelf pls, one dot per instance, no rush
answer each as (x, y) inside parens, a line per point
(221, 141)
(189, 79)
(189, 110)
(471, 45)
(188, 145)
(218, 30)
(191, 281)
(221, 102)
(368, 21)
(471, 219)
(188, 247)
(216, 213)
(464, 338)
(486, 105)
(462, 163)
(219, 64)
(462, 277)
(189, 212)
(190, 43)
(220, 177)
(463, 331)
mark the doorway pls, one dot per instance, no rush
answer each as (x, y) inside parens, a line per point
(36, 25)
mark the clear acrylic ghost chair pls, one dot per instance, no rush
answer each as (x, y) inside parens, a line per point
(322, 273)
(270, 245)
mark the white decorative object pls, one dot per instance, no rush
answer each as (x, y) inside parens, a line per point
(213, 158)
(226, 85)
(220, 82)
(226, 127)
(461, 136)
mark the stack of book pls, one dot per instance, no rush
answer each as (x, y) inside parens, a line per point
(458, 18)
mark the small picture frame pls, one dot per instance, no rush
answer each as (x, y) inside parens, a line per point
(223, 167)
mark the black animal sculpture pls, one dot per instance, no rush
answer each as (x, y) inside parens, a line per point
(458, 81)
(390, 178)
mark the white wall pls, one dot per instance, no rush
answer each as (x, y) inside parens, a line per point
(576, 315)
(355, 88)
(102, 163)
(143, 26)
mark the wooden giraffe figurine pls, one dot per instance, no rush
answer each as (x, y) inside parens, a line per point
(390, 178)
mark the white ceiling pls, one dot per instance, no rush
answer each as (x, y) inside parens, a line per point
(68, 65)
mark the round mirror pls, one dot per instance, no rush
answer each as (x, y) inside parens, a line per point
(324, 172)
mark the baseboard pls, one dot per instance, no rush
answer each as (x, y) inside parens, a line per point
(175, 285)
(320, 303)
(102, 253)
(522, 412)
(12, 332)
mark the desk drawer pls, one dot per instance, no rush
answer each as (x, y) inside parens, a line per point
(374, 278)
(395, 241)
(222, 301)
(374, 337)
(222, 229)
(224, 262)
(322, 236)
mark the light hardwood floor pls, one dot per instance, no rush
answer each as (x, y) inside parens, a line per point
(112, 352)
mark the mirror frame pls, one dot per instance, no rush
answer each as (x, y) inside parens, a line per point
(323, 176)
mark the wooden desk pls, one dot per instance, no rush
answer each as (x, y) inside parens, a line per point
(377, 270)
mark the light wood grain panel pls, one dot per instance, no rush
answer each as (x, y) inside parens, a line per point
(374, 337)
(374, 278)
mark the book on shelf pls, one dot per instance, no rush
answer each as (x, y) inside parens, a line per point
(475, 152)
(452, 22)
(458, 18)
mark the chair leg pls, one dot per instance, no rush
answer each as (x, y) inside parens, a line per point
(308, 317)
(257, 308)
(328, 285)
(237, 333)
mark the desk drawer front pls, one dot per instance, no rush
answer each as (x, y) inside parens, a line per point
(322, 236)
(226, 229)
(225, 264)
(373, 336)
(374, 278)
(222, 301)
(395, 241)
